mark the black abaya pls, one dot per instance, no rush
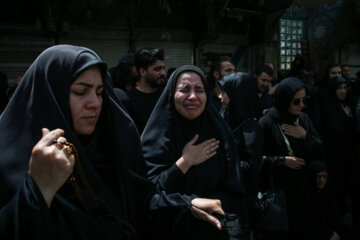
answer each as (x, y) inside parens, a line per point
(164, 138)
(111, 159)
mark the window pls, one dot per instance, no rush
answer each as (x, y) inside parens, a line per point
(291, 34)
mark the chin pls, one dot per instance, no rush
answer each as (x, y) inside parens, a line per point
(87, 131)
(190, 116)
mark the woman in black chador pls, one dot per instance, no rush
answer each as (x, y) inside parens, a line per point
(52, 190)
(291, 142)
(189, 149)
(324, 216)
(339, 136)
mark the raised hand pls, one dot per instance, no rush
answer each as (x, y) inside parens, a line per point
(193, 155)
(203, 208)
(50, 165)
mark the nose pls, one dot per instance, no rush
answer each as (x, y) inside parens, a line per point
(93, 100)
(162, 72)
(301, 105)
(192, 95)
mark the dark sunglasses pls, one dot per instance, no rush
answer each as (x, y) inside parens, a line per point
(304, 100)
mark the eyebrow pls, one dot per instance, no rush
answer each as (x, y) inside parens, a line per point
(89, 85)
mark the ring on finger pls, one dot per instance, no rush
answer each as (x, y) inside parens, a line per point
(68, 150)
(57, 142)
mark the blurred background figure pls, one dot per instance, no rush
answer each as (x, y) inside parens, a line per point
(124, 75)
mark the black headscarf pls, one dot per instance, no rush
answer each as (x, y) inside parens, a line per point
(243, 93)
(316, 167)
(324, 215)
(283, 96)
(334, 83)
(334, 119)
(284, 93)
(166, 133)
(42, 100)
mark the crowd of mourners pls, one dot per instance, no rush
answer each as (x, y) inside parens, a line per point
(133, 152)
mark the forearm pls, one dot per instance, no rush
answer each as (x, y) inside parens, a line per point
(169, 179)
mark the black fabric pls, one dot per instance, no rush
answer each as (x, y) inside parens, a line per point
(293, 181)
(324, 215)
(42, 100)
(265, 102)
(339, 136)
(164, 138)
(124, 98)
(244, 101)
(142, 104)
(313, 108)
(273, 213)
(250, 141)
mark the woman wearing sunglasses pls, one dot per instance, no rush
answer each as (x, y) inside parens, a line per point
(291, 142)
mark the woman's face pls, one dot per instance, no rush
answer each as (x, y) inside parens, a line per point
(321, 179)
(341, 92)
(190, 96)
(86, 100)
(297, 103)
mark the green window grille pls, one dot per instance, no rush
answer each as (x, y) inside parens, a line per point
(291, 35)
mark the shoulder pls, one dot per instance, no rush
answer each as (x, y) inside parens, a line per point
(266, 121)
(133, 92)
(121, 94)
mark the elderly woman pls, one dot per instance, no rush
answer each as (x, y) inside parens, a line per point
(291, 142)
(189, 149)
(70, 156)
(324, 216)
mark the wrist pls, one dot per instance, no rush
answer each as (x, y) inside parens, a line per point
(48, 196)
(183, 165)
(46, 193)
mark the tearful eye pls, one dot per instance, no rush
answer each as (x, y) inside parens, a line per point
(183, 90)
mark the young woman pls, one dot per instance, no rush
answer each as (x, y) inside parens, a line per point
(71, 158)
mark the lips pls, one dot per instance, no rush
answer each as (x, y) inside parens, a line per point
(191, 106)
(89, 118)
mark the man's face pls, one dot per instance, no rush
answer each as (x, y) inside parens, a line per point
(226, 69)
(155, 74)
(345, 71)
(334, 72)
(263, 82)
